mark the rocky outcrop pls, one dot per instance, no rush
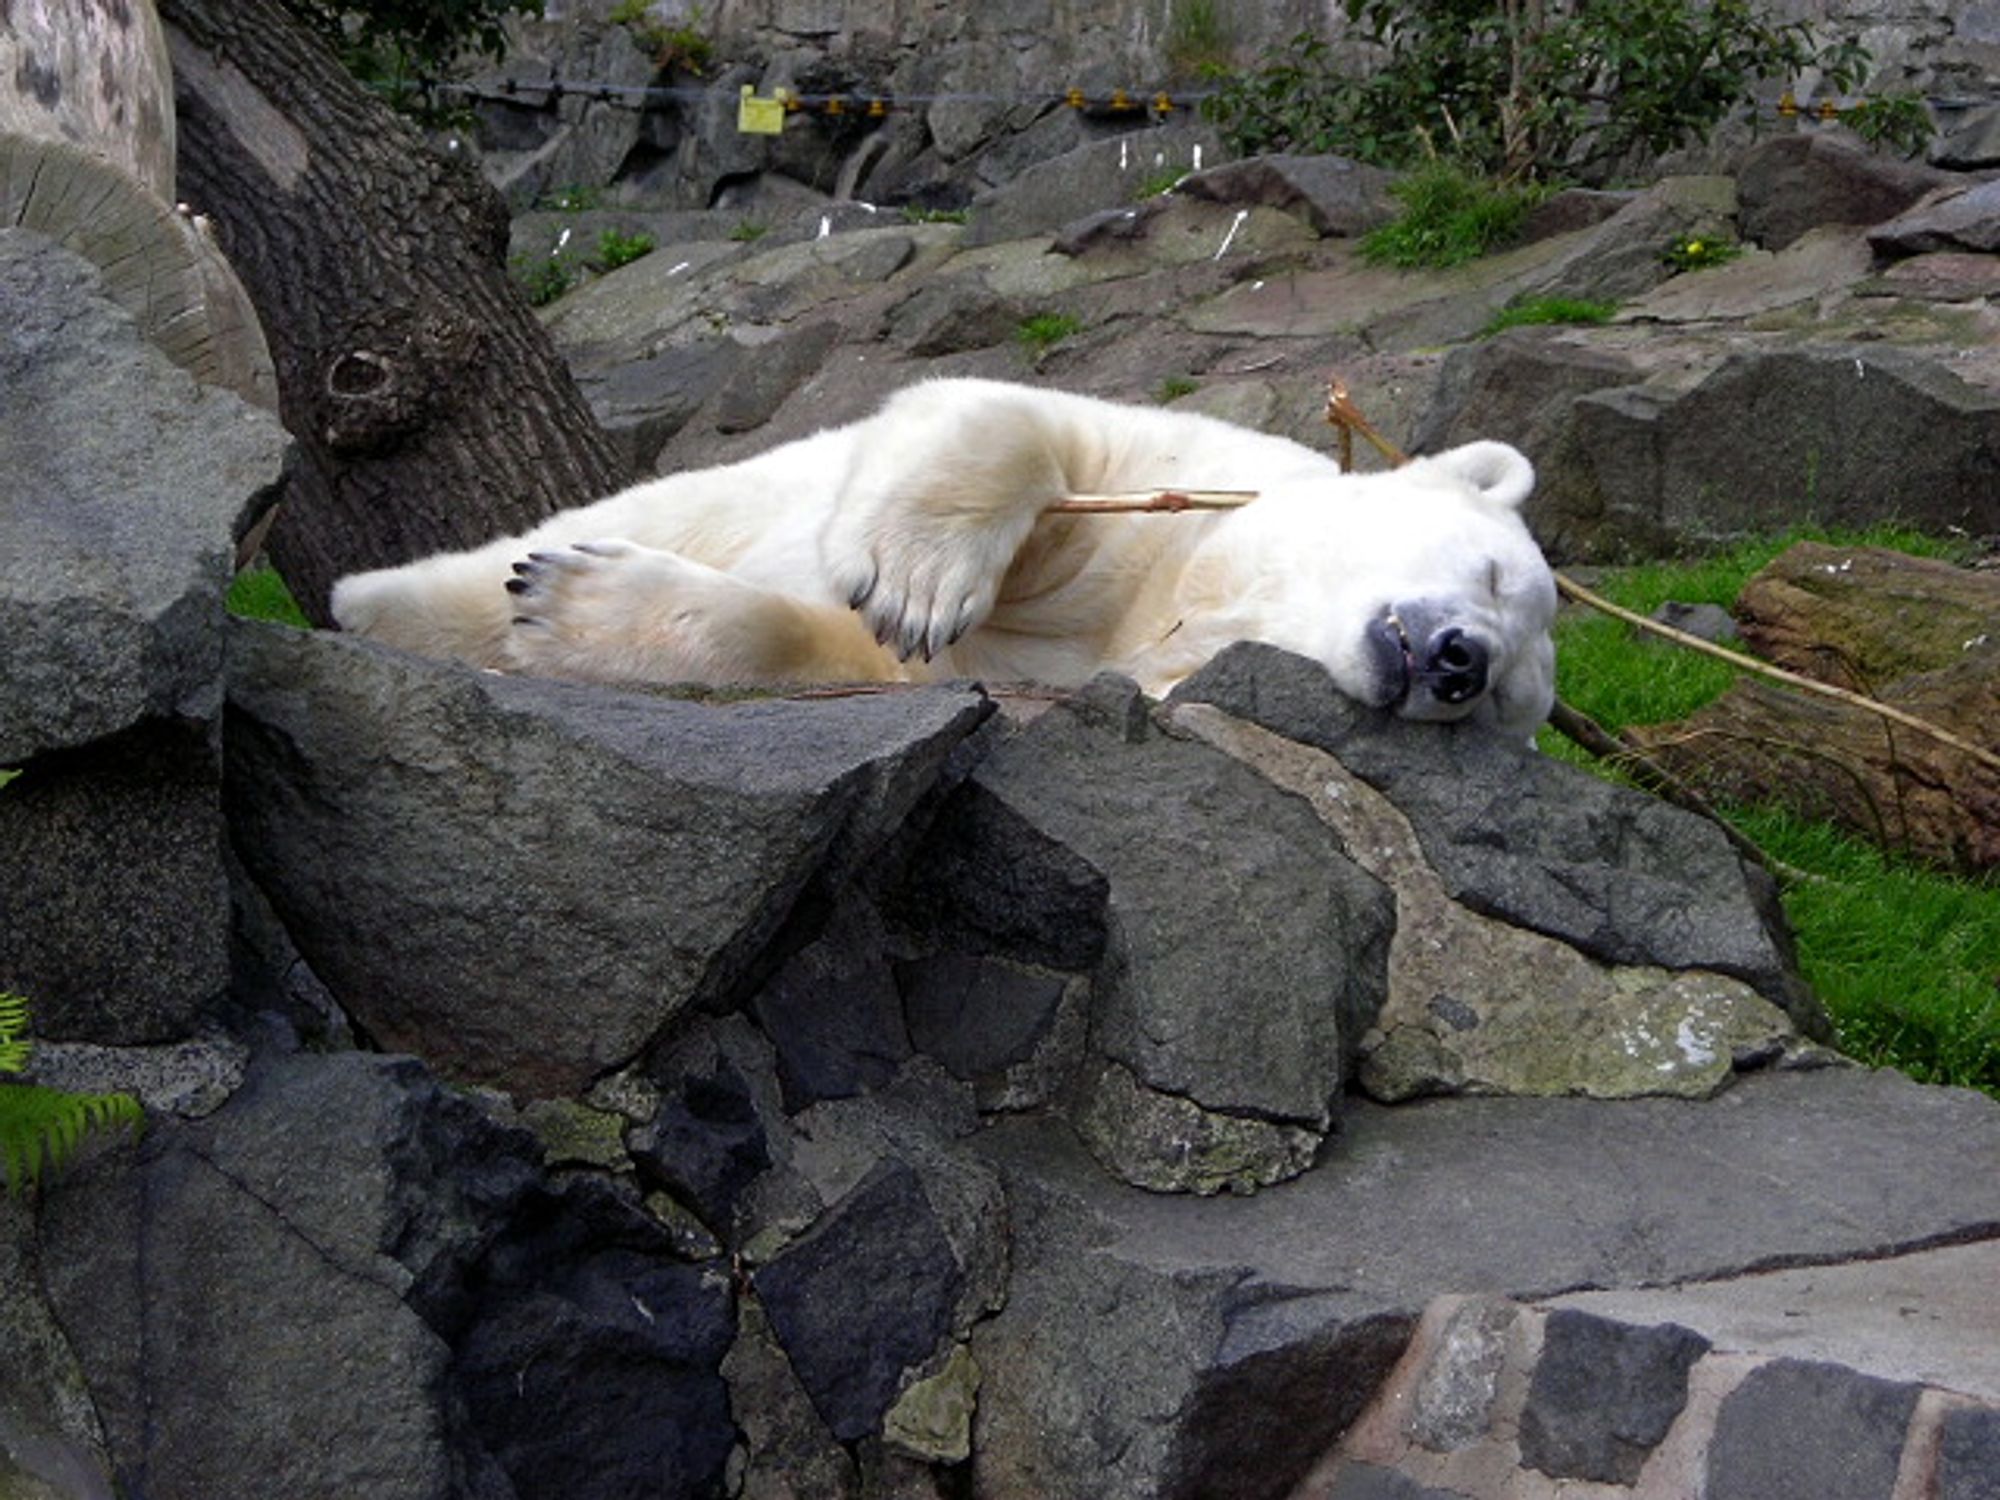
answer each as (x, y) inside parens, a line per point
(129, 485)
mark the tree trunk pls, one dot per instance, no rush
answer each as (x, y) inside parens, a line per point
(431, 409)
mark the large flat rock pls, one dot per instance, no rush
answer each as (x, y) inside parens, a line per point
(1318, 1284)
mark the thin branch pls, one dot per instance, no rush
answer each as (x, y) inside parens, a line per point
(1157, 502)
(1580, 729)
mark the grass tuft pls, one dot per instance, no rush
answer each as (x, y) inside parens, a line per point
(1535, 311)
(1449, 217)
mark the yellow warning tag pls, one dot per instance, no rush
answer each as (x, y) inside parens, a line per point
(756, 116)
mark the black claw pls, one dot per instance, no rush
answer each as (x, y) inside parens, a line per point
(518, 585)
(524, 568)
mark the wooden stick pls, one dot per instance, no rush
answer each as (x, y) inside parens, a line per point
(1159, 502)
(1571, 589)
(1345, 415)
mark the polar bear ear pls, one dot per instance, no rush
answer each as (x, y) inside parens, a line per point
(1499, 471)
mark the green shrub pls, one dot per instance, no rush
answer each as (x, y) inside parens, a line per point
(1449, 216)
(1174, 387)
(40, 1128)
(543, 278)
(1899, 122)
(1532, 311)
(615, 249)
(1523, 92)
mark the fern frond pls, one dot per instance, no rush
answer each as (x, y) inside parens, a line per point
(14, 1043)
(40, 1128)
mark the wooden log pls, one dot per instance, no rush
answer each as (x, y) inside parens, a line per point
(1850, 616)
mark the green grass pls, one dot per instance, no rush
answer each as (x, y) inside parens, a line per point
(1449, 217)
(258, 593)
(615, 249)
(1907, 960)
(1044, 331)
(1174, 387)
(1534, 311)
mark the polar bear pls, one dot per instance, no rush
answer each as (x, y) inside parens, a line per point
(915, 545)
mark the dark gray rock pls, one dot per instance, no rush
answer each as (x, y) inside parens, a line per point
(642, 403)
(1054, 851)
(1792, 183)
(1103, 174)
(1108, 226)
(1359, 1481)
(1968, 1465)
(1707, 461)
(760, 385)
(114, 916)
(834, 1014)
(950, 316)
(1522, 383)
(976, 1015)
(707, 1143)
(1624, 255)
(1708, 622)
(270, 1251)
(869, 1292)
(127, 487)
(398, 814)
(586, 1360)
(1970, 143)
(1795, 1427)
(1967, 220)
(1603, 1395)
(1622, 876)
(1338, 197)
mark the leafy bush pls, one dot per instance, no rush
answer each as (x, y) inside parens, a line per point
(1520, 94)
(615, 249)
(40, 1128)
(1449, 217)
(1898, 122)
(543, 278)
(391, 45)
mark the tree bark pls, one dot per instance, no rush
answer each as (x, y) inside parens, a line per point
(431, 409)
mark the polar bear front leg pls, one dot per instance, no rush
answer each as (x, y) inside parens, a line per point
(614, 611)
(944, 489)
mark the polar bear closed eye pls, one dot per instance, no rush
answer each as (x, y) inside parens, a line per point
(916, 543)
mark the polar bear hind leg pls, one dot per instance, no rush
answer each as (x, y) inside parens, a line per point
(616, 612)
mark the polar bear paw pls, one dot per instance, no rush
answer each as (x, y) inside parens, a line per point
(608, 610)
(919, 593)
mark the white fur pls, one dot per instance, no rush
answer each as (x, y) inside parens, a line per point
(922, 526)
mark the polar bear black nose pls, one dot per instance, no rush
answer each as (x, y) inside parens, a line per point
(1454, 666)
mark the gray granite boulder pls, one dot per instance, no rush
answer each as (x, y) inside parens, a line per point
(128, 485)
(402, 816)
(1338, 197)
(1793, 183)
(1622, 877)
(1235, 953)
(1106, 173)
(1967, 219)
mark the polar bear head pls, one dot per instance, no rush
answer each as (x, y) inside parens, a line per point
(1420, 590)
